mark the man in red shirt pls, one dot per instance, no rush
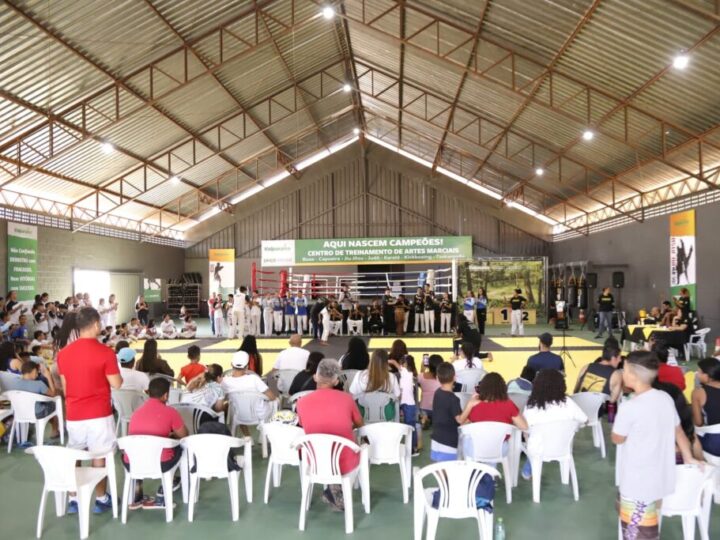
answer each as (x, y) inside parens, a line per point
(88, 370)
(157, 419)
(313, 410)
(666, 372)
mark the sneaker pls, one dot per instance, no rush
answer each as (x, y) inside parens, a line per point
(72, 507)
(102, 505)
(526, 472)
(177, 483)
(137, 504)
(158, 503)
(599, 336)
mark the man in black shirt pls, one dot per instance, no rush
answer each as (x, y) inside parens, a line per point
(517, 303)
(683, 302)
(606, 305)
(467, 331)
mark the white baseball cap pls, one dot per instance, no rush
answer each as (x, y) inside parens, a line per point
(240, 360)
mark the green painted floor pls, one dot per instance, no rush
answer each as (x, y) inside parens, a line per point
(557, 516)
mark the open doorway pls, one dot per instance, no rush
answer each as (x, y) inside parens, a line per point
(94, 282)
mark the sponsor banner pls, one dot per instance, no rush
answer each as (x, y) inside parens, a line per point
(222, 271)
(319, 252)
(152, 290)
(683, 257)
(22, 260)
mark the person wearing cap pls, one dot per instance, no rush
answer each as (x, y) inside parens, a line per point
(545, 359)
(244, 380)
(132, 378)
(517, 303)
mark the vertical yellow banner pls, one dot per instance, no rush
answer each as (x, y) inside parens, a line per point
(221, 272)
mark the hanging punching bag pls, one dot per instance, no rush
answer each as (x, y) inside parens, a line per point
(582, 292)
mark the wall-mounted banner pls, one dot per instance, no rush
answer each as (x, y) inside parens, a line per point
(22, 260)
(222, 271)
(318, 252)
(152, 290)
(683, 257)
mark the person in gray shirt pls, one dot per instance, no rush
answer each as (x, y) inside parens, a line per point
(31, 382)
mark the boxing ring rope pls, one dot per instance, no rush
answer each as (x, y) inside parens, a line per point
(361, 285)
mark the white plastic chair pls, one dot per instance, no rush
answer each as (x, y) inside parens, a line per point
(285, 378)
(388, 447)
(23, 406)
(282, 437)
(711, 459)
(373, 406)
(347, 376)
(697, 343)
(126, 402)
(62, 476)
(554, 442)
(464, 398)
(520, 400)
(207, 456)
(691, 499)
(590, 403)
(486, 441)
(143, 452)
(243, 408)
(469, 378)
(297, 397)
(457, 483)
(192, 413)
(320, 456)
(175, 396)
(174, 383)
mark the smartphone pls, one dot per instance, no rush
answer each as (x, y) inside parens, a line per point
(426, 360)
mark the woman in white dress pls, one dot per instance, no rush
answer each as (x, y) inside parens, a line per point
(112, 309)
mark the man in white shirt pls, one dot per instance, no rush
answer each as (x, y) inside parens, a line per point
(646, 430)
(243, 380)
(132, 378)
(294, 357)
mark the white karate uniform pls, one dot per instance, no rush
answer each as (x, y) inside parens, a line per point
(268, 317)
(255, 315)
(355, 327)
(325, 318)
(168, 330)
(429, 321)
(219, 322)
(445, 319)
(516, 321)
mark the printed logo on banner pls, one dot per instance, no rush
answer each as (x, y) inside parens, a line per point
(277, 253)
(683, 254)
(222, 271)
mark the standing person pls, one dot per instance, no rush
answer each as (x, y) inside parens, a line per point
(481, 309)
(407, 373)
(606, 305)
(289, 308)
(13, 307)
(267, 307)
(401, 309)
(345, 300)
(419, 311)
(255, 313)
(469, 306)
(219, 316)
(238, 316)
(102, 310)
(428, 383)
(706, 403)
(249, 346)
(88, 370)
(277, 313)
(315, 317)
(429, 312)
(446, 308)
(112, 307)
(229, 303)
(301, 312)
(388, 303)
(517, 303)
(446, 413)
(142, 310)
(325, 323)
(647, 428)
(211, 312)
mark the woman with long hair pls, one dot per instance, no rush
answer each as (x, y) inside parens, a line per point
(9, 360)
(377, 378)
(142, 310)
(150, 362)
(469, 358)
(548, 402)
(491, 403)
(357, 356)
(249, 345)
(428, 385)
(398, 350)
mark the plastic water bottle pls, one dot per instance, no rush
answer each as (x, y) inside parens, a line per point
(499, 529)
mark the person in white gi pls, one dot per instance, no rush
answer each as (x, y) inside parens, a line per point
(277, 313)
(517, 303)
(267, 305)
(167, 328)
(219, 316)
(112, 307)
(289, 309)
(237, 329)
(255, 314)
(429, 313)
(325, 318)
(301, 312)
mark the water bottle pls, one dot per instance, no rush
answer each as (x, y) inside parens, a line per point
(499, 529)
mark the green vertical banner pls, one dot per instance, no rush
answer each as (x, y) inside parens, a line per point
(683, 257)
(22, 260)
(152, 290)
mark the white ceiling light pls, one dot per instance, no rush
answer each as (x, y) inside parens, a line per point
(356, 131)
(539, 171)
(328, 12)
(346, 87)
(681, 61)
(588, 135)
(174, 180)
(107, 148)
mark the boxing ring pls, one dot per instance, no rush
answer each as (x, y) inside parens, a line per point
(361, 285)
